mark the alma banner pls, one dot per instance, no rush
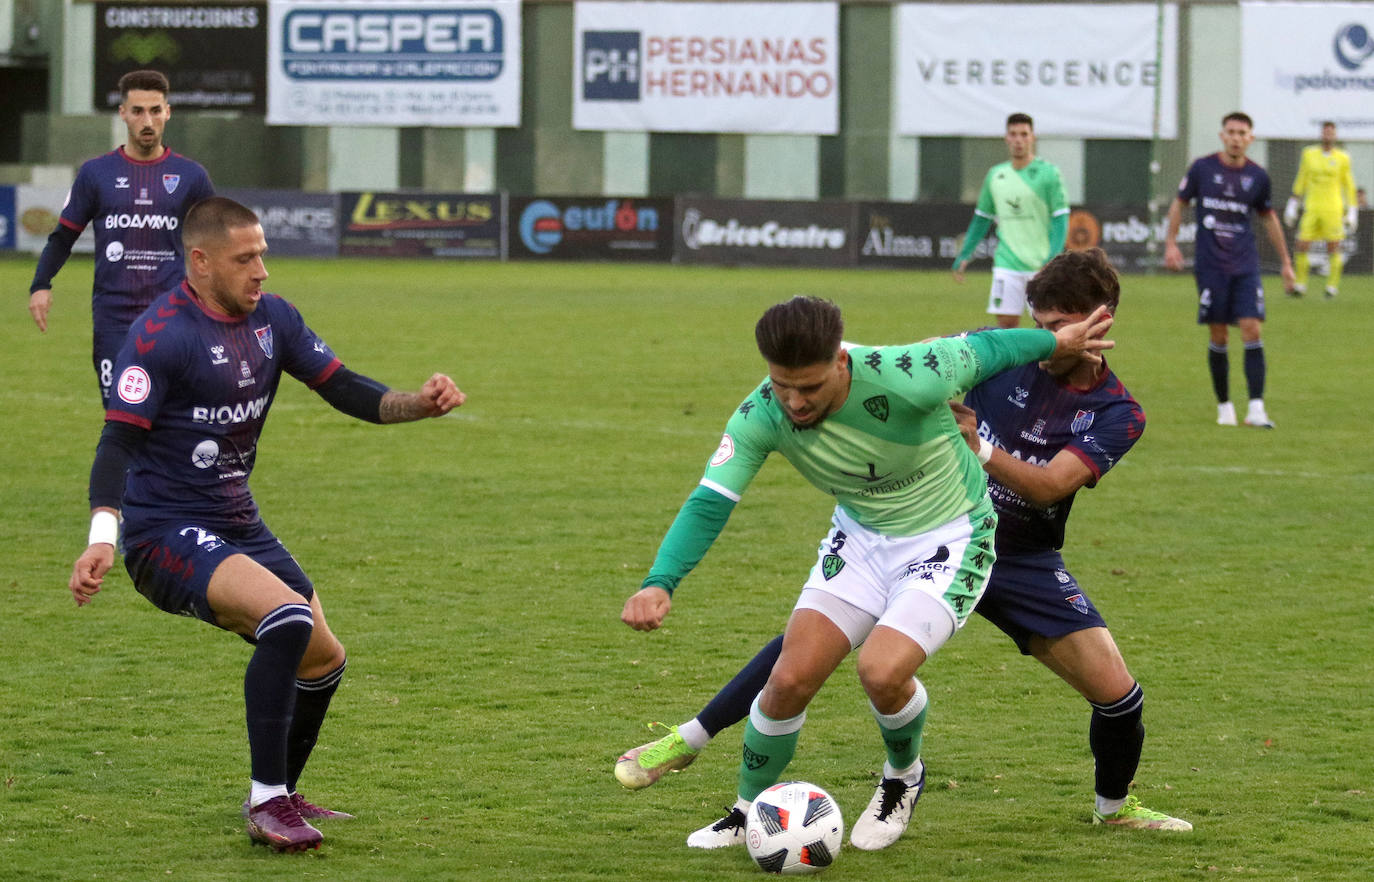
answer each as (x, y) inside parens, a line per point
(406, 63)
(1080, 70)
(706, 67)
(1303, 63)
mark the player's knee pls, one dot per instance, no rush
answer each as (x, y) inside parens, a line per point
(788, 692)
(323, 656)
(886, 683)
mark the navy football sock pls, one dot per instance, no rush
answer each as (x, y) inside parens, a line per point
(269, 687)
(1116, 735)
(1221, 372)
(731, 704)
(1254, 368)
(312, 701)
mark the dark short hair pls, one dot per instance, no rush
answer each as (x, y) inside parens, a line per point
(1327, 122)
(1016, 118)
(800, 332)
(1075, 282)
(213, 217)
(146, 80)
(1238, 117)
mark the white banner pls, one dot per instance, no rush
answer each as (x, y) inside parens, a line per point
(408, 63)
(37, 210)
(707, 67)
(1303, 63)
(1079, 70)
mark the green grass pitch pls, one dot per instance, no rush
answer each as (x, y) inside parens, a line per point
(475, 568)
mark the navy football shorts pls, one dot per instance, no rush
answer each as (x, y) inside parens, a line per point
(105, 346)
(172, 566)
(1222, 298)
(1032, 594)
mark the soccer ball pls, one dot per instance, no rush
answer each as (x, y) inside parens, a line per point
(794, 829)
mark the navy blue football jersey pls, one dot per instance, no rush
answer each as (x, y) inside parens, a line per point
(201, 382)
(136, 208)
(1027, 413)
(1225, 197)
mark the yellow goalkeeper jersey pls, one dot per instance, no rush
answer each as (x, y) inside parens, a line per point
(1324, 179)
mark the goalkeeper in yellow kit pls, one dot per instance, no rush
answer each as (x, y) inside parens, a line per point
(1324, 190)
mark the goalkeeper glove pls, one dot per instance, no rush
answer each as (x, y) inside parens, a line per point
(1290, 211)
(1352, 220)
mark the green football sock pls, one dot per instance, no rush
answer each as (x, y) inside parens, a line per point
(902, 731)
(768, 747)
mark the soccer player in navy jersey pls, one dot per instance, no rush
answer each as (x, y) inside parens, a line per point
(1042, 432)
(195, 380)
(1227, 187)
(137, 196)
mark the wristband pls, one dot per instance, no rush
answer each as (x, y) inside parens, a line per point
(104, 528)
(984, 451)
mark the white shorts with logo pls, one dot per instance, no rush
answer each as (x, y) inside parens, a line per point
(1008, 295)
(923, 586)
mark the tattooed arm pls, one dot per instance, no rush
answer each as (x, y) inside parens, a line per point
(436, 397)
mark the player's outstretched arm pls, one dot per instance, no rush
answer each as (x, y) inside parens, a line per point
(40, 302)
(436, 397)
(646, 608)
(88, 573)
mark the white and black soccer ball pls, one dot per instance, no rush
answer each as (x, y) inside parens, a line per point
(794, 829)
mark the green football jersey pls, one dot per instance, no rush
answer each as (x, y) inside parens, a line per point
(1022, 202)
(891, 455)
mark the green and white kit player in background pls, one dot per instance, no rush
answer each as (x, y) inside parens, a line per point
(1025, 196)
(911, 545)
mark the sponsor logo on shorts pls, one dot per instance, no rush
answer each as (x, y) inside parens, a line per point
(1078, 602)
(928, 568)
(831, 565)
(205, 541)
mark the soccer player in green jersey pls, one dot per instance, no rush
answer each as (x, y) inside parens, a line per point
(911, 545)
(1025, 196)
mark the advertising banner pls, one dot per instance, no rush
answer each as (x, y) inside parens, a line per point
(296, 224)
(1079, 70)
(591, 228)
(905, 235)
(405, 63)
(706, 67)
(380, 224)
(214, 54)
(38, 209)
(7, 218)
(737, 231)
(1302, 63)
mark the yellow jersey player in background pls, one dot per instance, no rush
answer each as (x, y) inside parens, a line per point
(1325, 189)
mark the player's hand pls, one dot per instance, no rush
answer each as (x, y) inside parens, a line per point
(1290, 211)
(967, 420)
(89, 572)
(440, 394)
(959, 271)
(1352, 220)
(1173, 258)
(646, 608)
(40, 302)
(1290, 278)
(1082, 339)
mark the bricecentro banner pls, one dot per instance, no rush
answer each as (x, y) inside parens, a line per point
(706, 67)
(409, 62)
(1079, 70)
(214, 54)
(1302, 63)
